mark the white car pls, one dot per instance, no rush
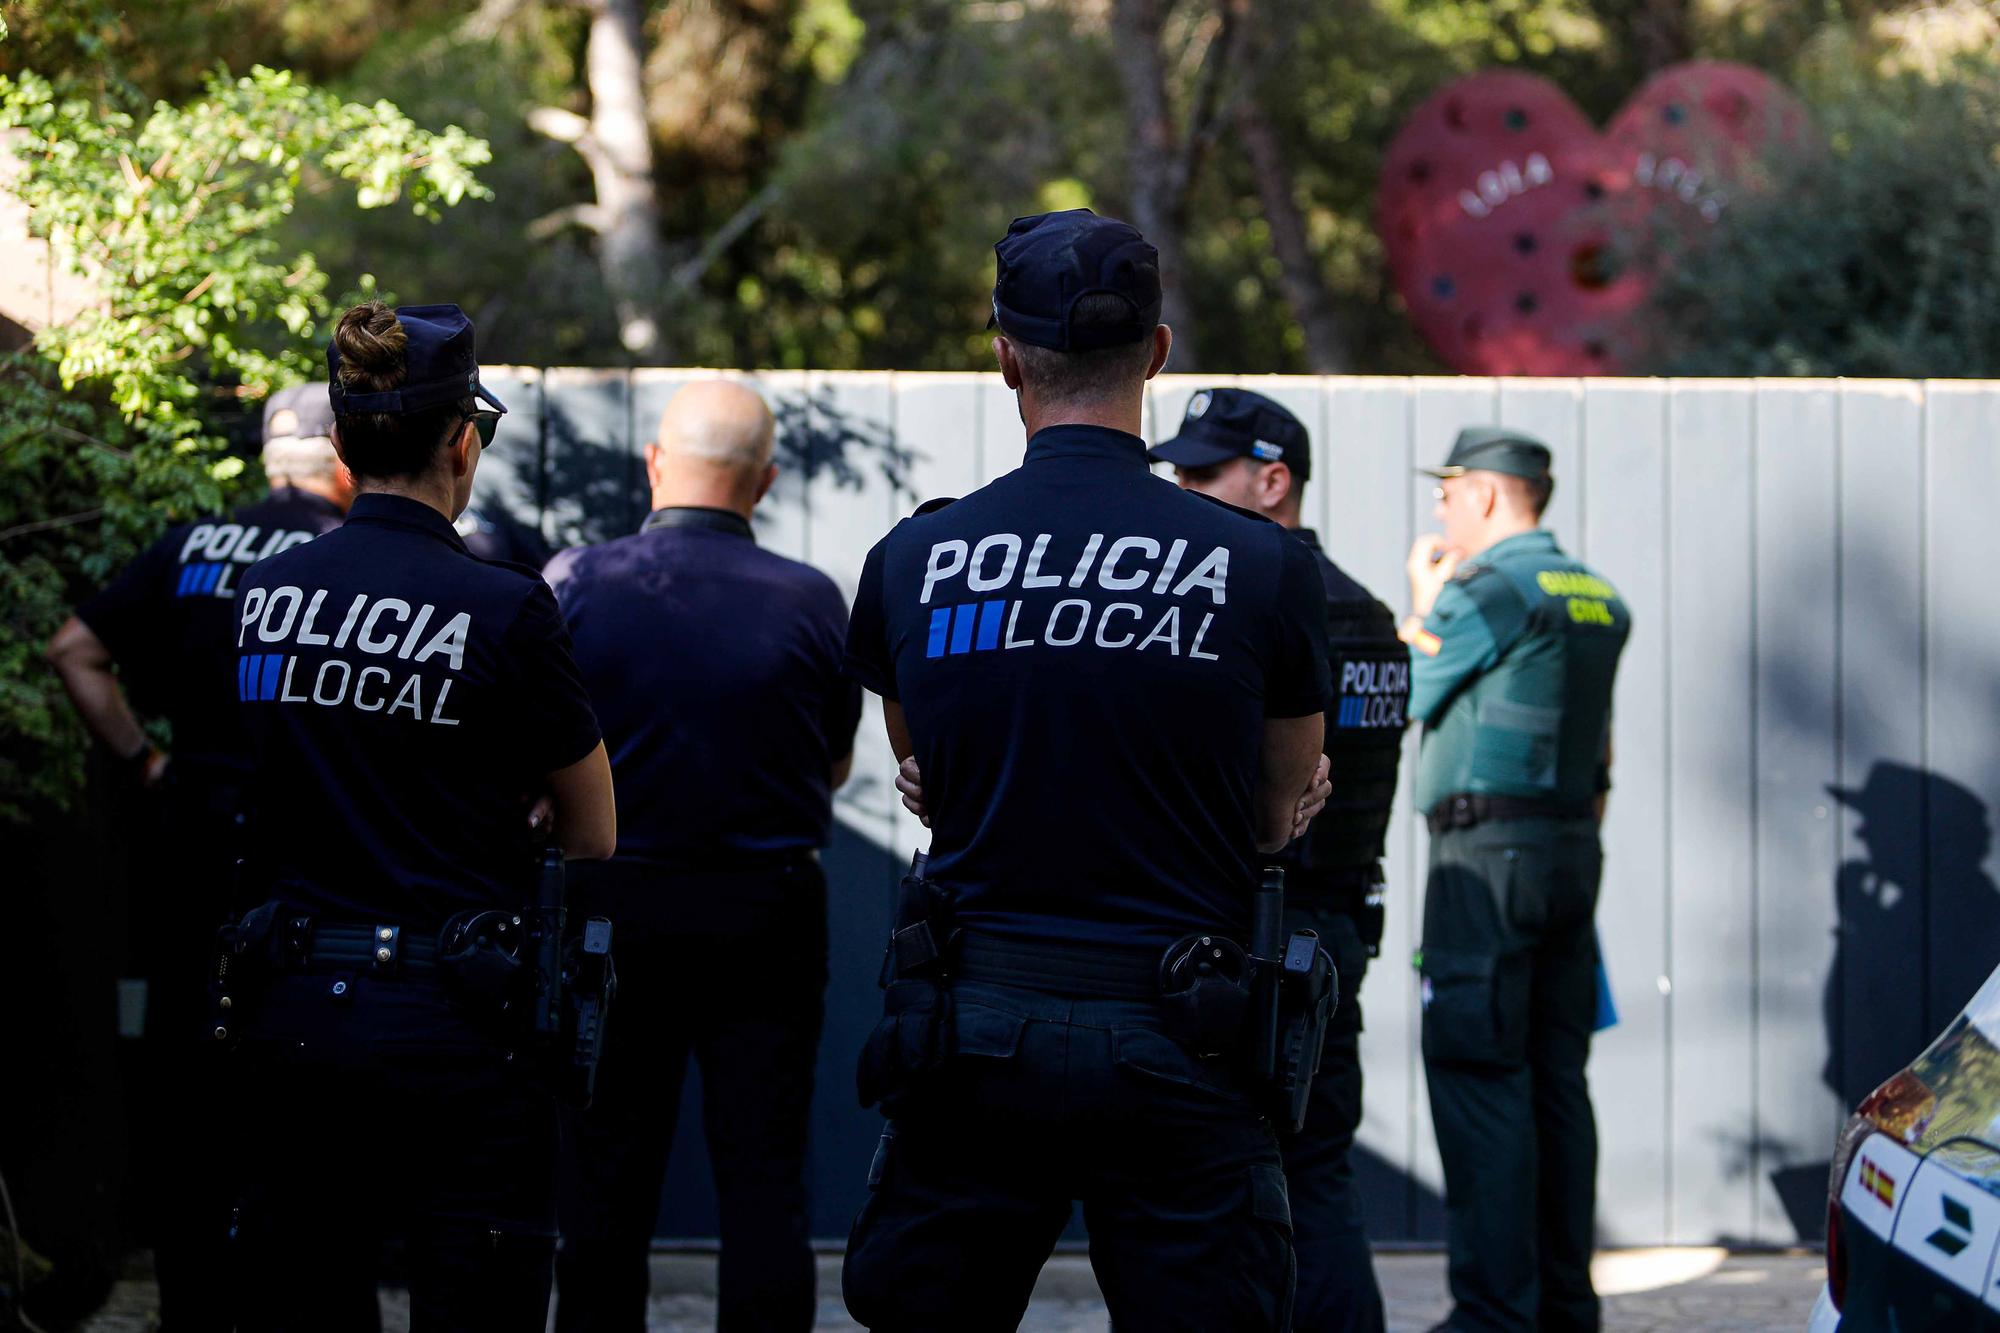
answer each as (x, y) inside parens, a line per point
(1913, 1217)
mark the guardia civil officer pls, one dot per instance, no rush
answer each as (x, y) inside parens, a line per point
(1113, 689)
(407, 705)
(158, 639)
(1244, 448)
(1513, 649)
(716, 669)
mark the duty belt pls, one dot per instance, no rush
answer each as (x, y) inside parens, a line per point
(1074, 971)
(319, 946)
(1464, 810)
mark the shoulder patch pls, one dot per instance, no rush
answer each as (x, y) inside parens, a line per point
(932, 506)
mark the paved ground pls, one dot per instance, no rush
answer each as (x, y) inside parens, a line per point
(1644, 1290)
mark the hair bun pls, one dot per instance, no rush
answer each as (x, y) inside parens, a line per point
(370, 340)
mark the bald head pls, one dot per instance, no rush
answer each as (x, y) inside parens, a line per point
(713, 449)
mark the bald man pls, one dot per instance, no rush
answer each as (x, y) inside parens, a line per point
(715, 668)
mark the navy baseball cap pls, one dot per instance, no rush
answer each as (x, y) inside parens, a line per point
(301, 412)
(1048, 262)
(440, 366)
(1221, 424)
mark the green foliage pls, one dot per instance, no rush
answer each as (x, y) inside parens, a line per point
(172, 215)
(1880, 257)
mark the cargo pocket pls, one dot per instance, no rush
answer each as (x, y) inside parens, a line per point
(988, 1033)
(1152, 1055)
(1475, 1007)
(1514, 748)
(906, 1044)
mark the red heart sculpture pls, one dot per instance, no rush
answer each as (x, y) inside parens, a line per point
(1521, 238)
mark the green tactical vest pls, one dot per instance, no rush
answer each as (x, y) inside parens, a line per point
(1534, 723)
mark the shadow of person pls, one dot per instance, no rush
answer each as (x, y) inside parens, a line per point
(1919, 923)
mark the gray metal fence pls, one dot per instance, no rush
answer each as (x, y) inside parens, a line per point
(1798, 890)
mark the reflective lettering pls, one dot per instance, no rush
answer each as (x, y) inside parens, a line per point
(253, 603)
(1168, 631)
(306, 635)
(1174, 554)
(411, 696)
(320, 695)
(1194, 650)
(410, 639)
(946, 559)
(1108, 576)
(1055, 615)
(197, 538)
(1013, 618)
(1212, 573)
(285, 695)
(1032, 576)
(361, 681)
(450, 640)
(221, 540)
(289, 597)
(347, 625)
(367, 643)
(437, 710)
(1089, 557)
(1005, 541)
(1104, 621)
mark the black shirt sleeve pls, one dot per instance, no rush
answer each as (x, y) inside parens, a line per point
(551, 707)
(1296, 680)
(126, 613)
(869, 659)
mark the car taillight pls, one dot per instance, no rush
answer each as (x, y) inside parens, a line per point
(1836, 1258)
(1902, 1109)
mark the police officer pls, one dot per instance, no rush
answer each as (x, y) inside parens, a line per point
(158, 637)
(491, 532)
(1243, 448)
(1028, 642)
(1513, 649)
(408, 704)
(716, 669)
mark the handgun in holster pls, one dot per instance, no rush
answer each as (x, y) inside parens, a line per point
(1294, 992)
(913, 1036)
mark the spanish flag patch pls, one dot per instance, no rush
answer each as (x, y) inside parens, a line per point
(1426, 643)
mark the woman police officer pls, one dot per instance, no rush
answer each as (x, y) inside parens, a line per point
(415, 714)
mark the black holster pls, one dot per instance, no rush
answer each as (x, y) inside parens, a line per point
(913, 1037)
(1292, 1000)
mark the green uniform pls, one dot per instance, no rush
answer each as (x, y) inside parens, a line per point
(1511, 680)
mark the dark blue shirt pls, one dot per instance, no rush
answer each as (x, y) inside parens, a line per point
(406, 702)
(715, 666)
(166, 619)
(1086, 656)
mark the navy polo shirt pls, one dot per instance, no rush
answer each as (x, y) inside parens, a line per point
(715, 667)
(405, 702)
(166, 619)
(1086, 655)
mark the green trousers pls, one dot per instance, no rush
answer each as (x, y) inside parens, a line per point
(1509, 1002)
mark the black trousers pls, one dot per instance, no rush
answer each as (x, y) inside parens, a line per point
(1510, 1001)
(381, 1106)
(182, 1163)
(1048, 1101)
(1337, 1292)
(729, 966)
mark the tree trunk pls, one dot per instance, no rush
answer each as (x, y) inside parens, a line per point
(1159, 186)
(1327, 349)
(620, 154)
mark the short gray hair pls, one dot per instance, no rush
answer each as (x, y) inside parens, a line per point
(295, 458)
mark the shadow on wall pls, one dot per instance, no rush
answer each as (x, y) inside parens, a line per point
(1921, 880)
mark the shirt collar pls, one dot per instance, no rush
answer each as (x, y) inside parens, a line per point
(1094, 442)
(1535, 539)
(310, 499)
(699, 516)
(399, 511)
(1308, 536)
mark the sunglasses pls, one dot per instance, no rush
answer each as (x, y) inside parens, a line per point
(487, 423)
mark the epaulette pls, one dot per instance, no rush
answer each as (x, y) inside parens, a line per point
(932, 506)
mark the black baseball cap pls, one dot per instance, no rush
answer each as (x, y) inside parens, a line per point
(439, 361)
(1494, 449)
(301, 412)
(1221, 424)
(1048, 262)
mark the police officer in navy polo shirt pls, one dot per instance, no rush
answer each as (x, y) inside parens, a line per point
(1113, 689)
(716, 669)
(1244, 448)
(159, 639)
(414, 714)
